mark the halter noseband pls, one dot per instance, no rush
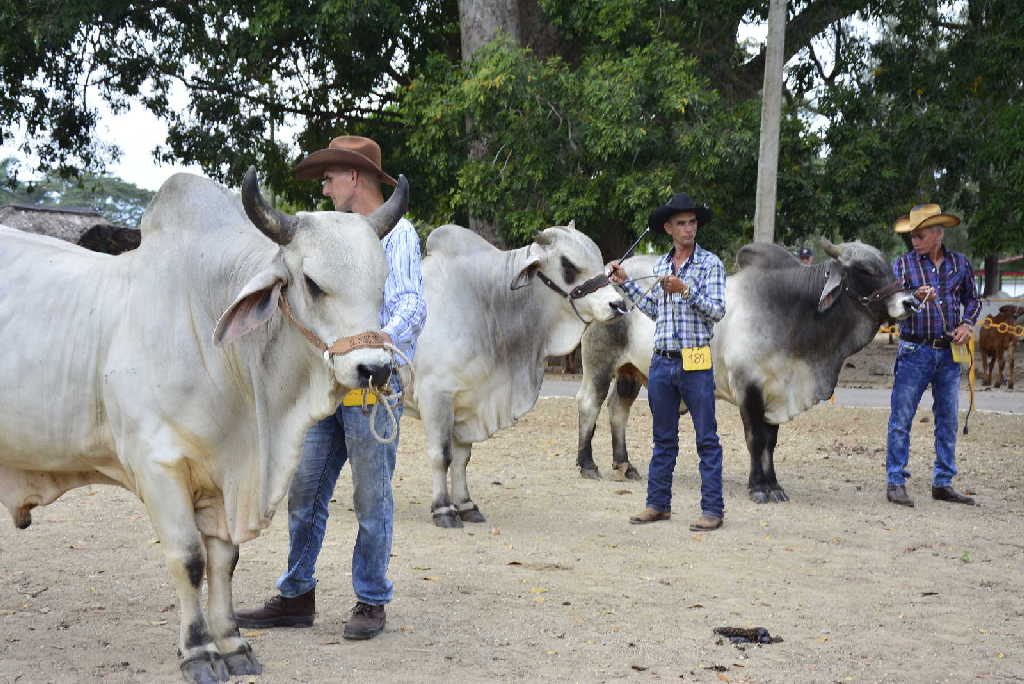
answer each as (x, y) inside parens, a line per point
(585, 288)
(876, 296)
(342, 345)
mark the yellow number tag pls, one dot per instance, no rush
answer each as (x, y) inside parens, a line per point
(696, 358)
(962, 354)
(355, 398)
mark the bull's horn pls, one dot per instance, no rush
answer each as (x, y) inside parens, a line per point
(276, 225)
(830, 249)
(384, 217)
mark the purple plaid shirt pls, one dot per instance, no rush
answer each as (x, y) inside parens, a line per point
(954, 286)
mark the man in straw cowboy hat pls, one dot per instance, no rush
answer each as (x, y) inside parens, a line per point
(942, 280)
(685, 304)
(350, 173)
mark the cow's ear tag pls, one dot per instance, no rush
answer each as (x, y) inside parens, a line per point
(830, 292)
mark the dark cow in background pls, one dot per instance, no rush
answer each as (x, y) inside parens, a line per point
(787, 330)
(999, 347)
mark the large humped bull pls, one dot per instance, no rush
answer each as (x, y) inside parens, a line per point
(118, 370)
(494, 318)
(787, 330)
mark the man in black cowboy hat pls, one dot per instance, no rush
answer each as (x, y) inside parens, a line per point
(943, 281)
(685, 303)
(349, 171)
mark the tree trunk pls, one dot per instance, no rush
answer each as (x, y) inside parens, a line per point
(480, 22)
(992, 283)
(771, 117)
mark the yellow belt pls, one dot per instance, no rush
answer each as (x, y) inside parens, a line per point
(358, 397)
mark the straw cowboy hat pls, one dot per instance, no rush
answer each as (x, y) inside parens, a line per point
(925, 216)
(351, 151)
(902, 224)
(678, 204)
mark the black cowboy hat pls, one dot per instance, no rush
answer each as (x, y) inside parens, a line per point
(677, 204)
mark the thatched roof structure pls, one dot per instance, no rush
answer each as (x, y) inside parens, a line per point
(85, 227)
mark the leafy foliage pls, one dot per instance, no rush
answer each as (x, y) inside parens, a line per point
(119, 201)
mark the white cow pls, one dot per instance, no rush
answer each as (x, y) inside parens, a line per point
(168, 371)
(494, 318)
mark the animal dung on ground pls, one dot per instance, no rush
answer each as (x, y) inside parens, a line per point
(747, 635)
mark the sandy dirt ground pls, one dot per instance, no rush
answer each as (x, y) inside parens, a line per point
(557, 584)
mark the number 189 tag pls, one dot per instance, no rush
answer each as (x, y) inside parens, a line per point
(696, 358)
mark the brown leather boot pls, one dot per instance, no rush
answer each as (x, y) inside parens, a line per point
(649, 515)
(365, 622)
(706, 523)
(897, 494)
(280, 611)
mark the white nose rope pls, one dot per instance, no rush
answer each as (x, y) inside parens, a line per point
(382, 398)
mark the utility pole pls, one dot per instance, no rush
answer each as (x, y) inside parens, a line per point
(771, 116)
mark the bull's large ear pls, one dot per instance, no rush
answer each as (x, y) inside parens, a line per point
(522, 279)
(833, 281)
(253, 306)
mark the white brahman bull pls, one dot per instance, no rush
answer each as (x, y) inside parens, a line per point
(170, 372)
(787, 330)
(494, 318)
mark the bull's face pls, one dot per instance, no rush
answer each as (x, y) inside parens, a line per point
(867, 272)
(570, 259)
(330, 272)
(336, 269)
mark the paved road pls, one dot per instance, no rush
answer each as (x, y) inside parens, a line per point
(1000, 401)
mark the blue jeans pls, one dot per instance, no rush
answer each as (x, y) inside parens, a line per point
(344, 436)
(917, 366)
(667, 383)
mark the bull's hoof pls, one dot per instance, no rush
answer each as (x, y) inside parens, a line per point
(447, 519)
(633, 474)
(590, 473)
(242, 662)
(763, 495)
(205, 668)
(472, 515)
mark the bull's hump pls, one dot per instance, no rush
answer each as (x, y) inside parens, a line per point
(186, 201)
(452, 240)
(765, 255)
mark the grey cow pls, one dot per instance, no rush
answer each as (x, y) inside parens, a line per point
(778, 351)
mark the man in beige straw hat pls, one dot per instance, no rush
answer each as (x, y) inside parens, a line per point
(942, 280)
(350, 173)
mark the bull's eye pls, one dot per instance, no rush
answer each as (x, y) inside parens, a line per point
(314, 289)
(569, 271)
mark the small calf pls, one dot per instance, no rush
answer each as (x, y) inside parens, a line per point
(998, 346)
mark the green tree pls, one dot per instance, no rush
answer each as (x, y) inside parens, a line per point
(119, 201)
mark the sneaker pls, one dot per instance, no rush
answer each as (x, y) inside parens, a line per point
(365, 622)
(280, 611)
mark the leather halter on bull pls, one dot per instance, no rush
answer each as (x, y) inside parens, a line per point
(585, 288)
(342, 345)
(280, 228)
(867, 301)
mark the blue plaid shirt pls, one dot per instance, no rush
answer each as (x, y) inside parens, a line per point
(404, 310)
(679, 321)
(954, 287)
